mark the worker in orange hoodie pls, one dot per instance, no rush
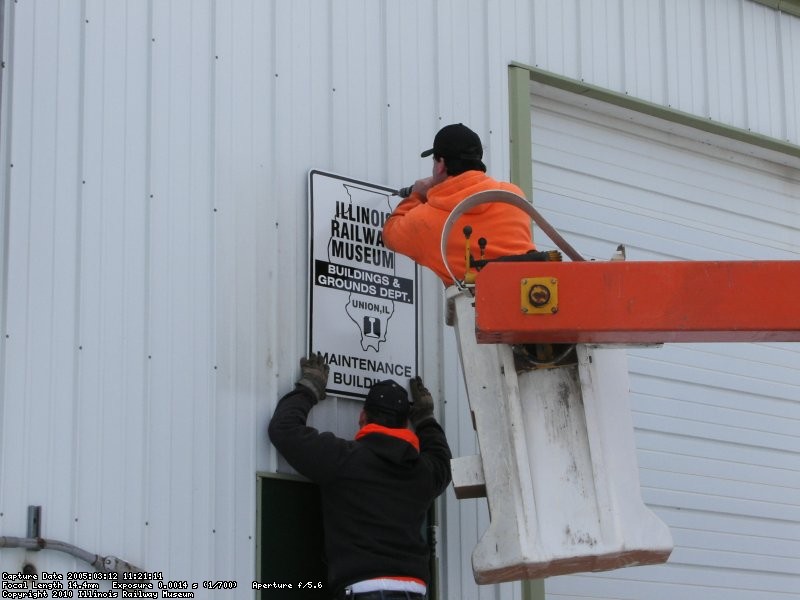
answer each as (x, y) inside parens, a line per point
(415, 227)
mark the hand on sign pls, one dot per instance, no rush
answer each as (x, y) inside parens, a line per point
(314, 375)
(422, 408)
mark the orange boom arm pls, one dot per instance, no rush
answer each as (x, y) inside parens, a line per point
(638, 302)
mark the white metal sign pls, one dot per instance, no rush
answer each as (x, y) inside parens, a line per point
(362, 296)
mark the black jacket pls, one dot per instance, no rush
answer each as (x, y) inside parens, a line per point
(375, 490)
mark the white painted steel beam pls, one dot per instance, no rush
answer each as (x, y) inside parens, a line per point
(558, 460)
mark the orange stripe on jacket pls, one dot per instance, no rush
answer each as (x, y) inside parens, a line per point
(398, 432)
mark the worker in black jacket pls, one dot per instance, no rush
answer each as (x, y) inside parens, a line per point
(375, 489)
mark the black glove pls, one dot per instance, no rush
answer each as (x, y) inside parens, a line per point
(422, 409)
(314, 375)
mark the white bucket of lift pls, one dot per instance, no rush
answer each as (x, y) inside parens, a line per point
(557, 462)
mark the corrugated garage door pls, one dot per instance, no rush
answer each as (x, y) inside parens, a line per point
(717, 425)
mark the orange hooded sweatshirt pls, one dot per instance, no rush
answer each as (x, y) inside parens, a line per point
(415, 227)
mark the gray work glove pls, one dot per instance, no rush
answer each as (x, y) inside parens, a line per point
(314, 375)
(422, 409)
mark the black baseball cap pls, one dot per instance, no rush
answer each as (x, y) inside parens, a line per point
(456, 141)
(388, 396)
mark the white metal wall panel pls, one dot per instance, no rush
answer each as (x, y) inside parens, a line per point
(154, 238)
(729, 60)
(110, 348)
(716, 423)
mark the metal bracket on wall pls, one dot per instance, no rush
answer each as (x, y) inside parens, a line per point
(34, 542)
(34, 521)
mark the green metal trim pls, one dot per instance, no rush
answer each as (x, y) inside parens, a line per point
(791, 7)
(533, 589)
(285, 476)
(656, 110)
(521, 149)
(259, 518)
(260, 476)
(519, 95)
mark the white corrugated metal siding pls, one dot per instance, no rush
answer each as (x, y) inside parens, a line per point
(716, 424)
(728, 60)
(153, 240)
